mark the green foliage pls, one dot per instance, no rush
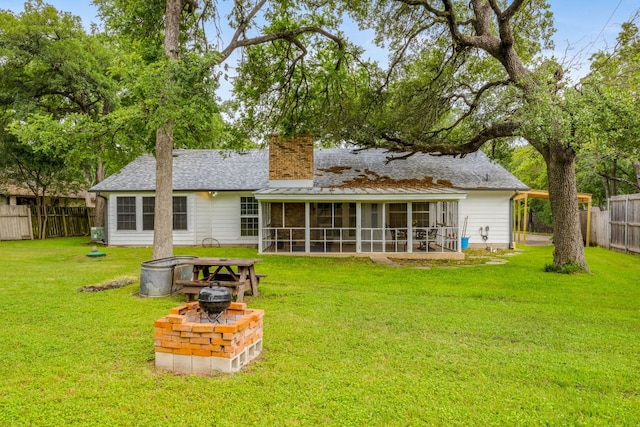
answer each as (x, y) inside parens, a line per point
(135, 20)
(56, 93)
(598, 119)
(568, 268)
(39, 154)
(609, 122)
(189, 101)
(529, 167)
(302, 84)
(158, 90)
(346, 343)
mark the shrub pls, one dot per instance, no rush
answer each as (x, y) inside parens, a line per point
(567, 268)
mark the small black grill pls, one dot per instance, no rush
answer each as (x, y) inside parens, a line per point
(213, 300)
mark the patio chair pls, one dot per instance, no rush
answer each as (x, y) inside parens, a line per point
(426, 237)
(398, 235)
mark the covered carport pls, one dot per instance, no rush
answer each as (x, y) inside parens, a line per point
(521, 206)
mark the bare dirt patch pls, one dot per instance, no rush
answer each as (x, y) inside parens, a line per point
(106, 286)
(473, 257)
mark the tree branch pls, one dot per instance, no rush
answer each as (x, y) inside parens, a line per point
(483, 38)
(499, 130)
(244, 23)
(473, 105)
(618, 179)
(513, 9)
(426, 5)
(236, 44)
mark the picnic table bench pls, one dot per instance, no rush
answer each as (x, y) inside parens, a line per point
(238, 274)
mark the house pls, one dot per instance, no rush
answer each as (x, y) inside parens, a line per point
(14, 195)
(294, 198)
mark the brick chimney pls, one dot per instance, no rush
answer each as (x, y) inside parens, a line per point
(291, 161)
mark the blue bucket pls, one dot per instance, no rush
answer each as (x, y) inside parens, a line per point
(464, 242)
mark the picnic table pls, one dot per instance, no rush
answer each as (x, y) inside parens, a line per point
(235, 273)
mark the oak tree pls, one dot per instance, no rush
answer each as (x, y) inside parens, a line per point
(610, 124)
(459, 75)
(174, 38)
(56, 96)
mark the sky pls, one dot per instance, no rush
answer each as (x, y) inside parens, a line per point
(583, 27)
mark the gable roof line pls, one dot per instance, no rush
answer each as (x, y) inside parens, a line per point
(212, 170)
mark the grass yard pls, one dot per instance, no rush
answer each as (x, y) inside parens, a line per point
(346, 343)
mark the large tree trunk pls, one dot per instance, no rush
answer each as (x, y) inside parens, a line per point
(563, 196)
(41, 210)
(163, 221)
(636, 166)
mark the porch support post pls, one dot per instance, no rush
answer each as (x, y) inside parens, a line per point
(409, 227)
(260, 225)
(358, 227)
(383, 224)
(524, 220)
(307, 231)
(458, 228)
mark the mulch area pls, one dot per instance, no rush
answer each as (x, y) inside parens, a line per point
(111, 285)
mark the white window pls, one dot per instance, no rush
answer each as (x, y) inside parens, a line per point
(248, 216)
(126, 213)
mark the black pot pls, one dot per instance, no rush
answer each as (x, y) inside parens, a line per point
(214, 299)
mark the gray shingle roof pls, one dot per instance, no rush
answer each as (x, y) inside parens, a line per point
(212, 170)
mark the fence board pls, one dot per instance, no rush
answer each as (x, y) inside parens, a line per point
(64, 221)
(618, 227)
(599, 235)
(15, 223)
(624, 224)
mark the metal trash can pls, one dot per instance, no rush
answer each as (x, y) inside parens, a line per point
(158, 277)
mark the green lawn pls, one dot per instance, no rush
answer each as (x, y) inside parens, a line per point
(346, 343)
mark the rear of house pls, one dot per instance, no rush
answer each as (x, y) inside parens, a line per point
(293, 198)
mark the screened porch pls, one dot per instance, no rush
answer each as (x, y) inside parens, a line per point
(359, 227)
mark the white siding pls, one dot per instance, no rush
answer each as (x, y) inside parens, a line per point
(201, 216)
(187, 237)
(217, 215)
(117, 237)
(225, 218)
(141, 237)
(487, 208)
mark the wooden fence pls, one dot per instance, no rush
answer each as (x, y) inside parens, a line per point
(618, 227)
(15, 223)
(624, 223)
(21, 222)
(64, 221)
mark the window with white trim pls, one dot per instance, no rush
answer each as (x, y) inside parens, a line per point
(180, 213)
(248, 216)
(126, 213)
(180, 217)
(148, 207)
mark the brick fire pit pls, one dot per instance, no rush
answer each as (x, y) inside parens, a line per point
(187, 342)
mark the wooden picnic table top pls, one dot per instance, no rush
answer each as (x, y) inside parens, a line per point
(240, 262)
(202, 276)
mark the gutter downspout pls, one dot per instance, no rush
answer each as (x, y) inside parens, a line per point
(106, 218)
(511, 242)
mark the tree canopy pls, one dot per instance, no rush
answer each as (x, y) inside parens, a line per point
(55, 91)
(459, 75)
(610, 124)
(171, 38)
